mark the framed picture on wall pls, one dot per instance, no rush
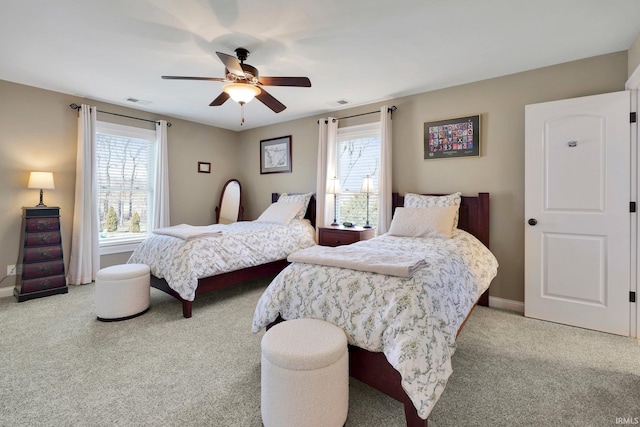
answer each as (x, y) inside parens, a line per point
(204, 167)
(275, 155)
(448, 138)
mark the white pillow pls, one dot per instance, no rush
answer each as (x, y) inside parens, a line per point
(435, 221)
(412, 200)
(297, 198)
(281, 213)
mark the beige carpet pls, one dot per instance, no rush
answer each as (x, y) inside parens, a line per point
(61, 367)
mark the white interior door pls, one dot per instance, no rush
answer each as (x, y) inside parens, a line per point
(577, 194)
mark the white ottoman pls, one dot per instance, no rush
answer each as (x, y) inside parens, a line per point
(305, 375)
(122, 292)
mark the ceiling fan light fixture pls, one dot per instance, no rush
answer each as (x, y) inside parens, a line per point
(242, 83)
(241, 92)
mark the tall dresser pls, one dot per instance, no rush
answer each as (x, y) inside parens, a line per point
(41, 265)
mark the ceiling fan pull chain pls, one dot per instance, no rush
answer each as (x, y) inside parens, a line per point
(242, 113)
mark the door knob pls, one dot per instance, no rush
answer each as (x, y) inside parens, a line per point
(532, 221)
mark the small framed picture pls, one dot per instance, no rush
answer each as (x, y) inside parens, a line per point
(275, 155)
(204, 167)
(459, 137)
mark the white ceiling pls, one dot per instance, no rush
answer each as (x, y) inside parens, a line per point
(362, 51)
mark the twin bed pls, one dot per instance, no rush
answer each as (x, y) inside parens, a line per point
(401, 330)
(244, 251)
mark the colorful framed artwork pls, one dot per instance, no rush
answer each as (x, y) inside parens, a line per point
(275, 155)
(459, 137)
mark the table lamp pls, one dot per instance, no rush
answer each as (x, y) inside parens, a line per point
(334, 188)
(367, 187)
(42, 181)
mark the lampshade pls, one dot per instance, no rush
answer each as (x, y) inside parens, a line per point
(367, 185)
(334, 186)
(41, 180)
(241, 92)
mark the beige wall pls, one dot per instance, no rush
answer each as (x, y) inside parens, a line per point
(39, 132)
(499, 170)
(634, 56)
(257, 188)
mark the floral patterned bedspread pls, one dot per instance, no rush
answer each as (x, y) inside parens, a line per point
(414, 321)
(241, 244)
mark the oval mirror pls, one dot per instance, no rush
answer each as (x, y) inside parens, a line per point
(230, 208)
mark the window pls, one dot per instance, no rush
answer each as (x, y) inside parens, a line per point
(125, 159)
(358, 155)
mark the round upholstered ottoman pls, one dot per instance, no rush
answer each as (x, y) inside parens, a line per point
(305, 375)
(122, 292)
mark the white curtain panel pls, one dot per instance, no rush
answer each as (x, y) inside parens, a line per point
(327, 147)
(384, 182)
(84, 261)
(160, 211)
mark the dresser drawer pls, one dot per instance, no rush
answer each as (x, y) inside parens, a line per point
(42, 224)
(42, 253)
(35, 285)
(337, 238)
(44, 238)
(42, 269)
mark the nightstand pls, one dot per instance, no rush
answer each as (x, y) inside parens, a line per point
(41, 268)
(337, 236)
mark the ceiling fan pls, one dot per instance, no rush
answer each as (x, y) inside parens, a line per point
(244, 82)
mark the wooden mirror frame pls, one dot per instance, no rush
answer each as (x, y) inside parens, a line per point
(240, 207)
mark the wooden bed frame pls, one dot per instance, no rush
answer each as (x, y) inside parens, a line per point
(220, 281)
(373, 368)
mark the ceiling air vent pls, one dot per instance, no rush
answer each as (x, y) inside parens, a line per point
(138, 101)
(339, 103)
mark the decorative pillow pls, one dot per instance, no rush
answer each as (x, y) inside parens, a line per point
(412, 200)
(281, 213)
(435, 221)
(297, 198)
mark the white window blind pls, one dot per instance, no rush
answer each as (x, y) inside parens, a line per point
(358, 155)
(124, 161)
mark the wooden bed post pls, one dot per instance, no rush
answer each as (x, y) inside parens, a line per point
(483, 218)
(483, 235)
(411, 415)
(186, 308)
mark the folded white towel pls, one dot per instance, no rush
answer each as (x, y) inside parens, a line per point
(188, 232)
(361, 258)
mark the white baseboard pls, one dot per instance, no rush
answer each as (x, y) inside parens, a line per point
(506, 304)
(6, 292)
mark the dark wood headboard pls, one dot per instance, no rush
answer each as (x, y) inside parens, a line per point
(311, 208)
(474, 214)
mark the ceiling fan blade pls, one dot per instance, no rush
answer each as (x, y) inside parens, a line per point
(270, 101)
(286, 81)
(219, 100)
(231, 63)
(215, 79)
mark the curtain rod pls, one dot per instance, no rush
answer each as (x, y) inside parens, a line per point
(75, 106)
(390, 110)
